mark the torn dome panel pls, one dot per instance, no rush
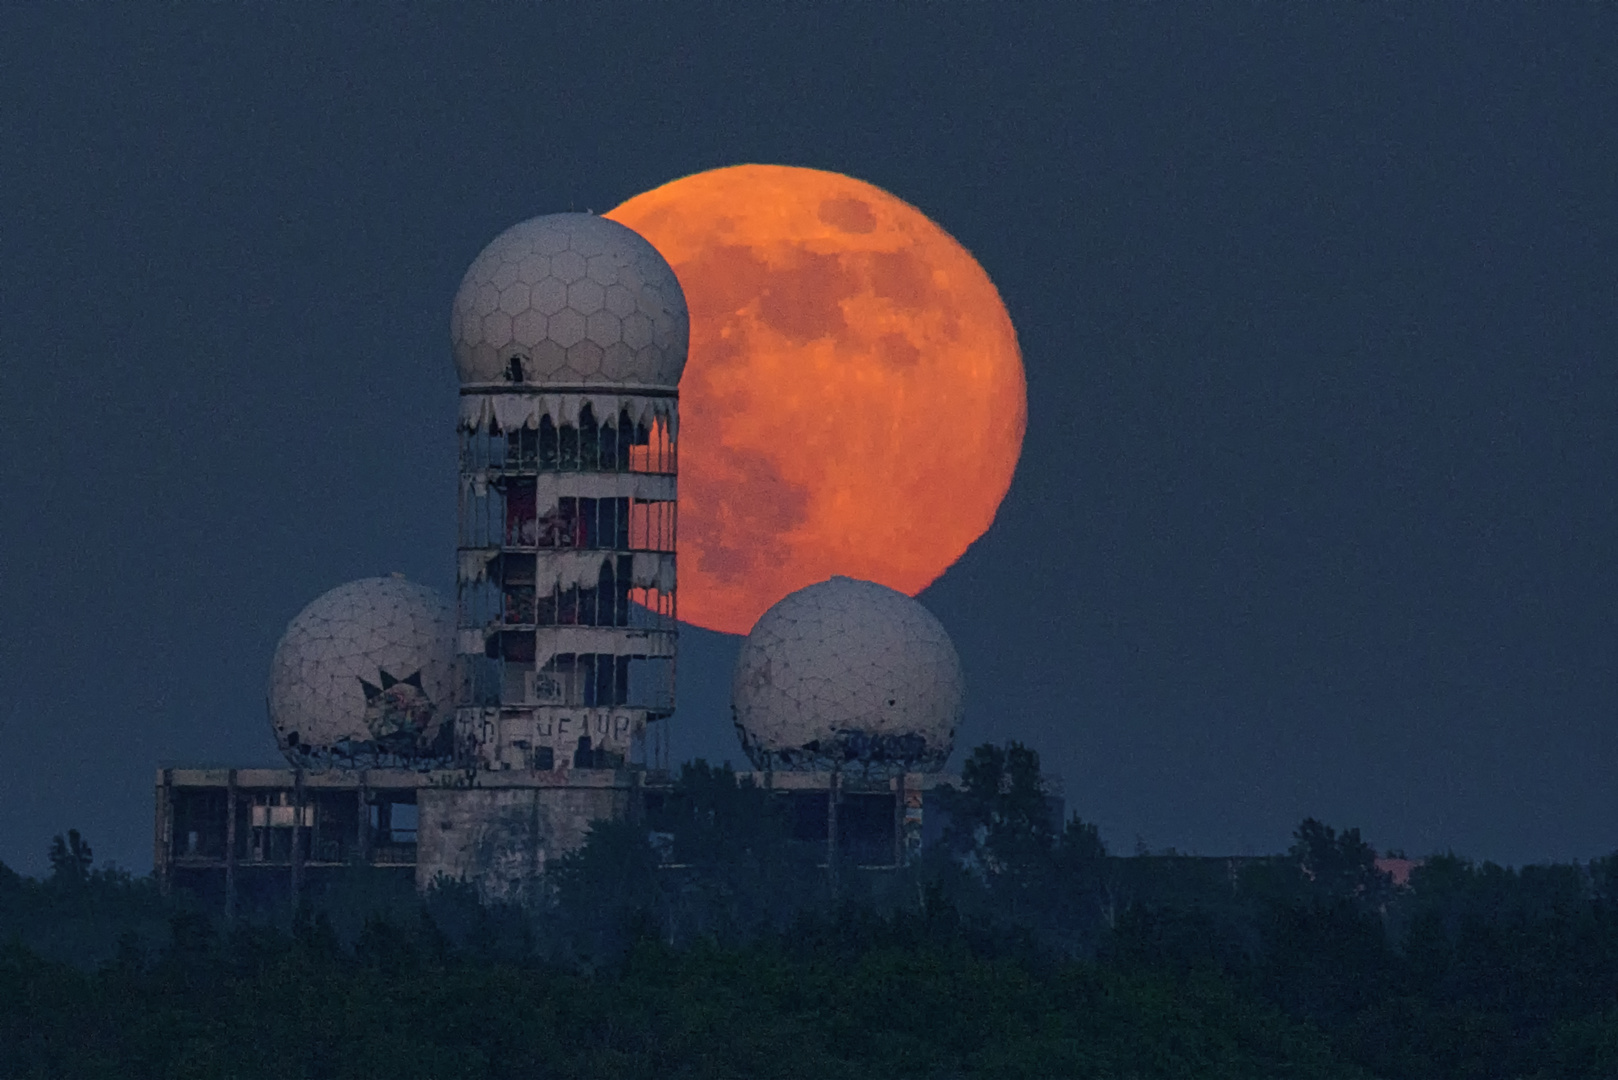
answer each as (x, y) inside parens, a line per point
(364, 677)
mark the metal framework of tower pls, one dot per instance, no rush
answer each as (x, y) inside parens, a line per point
(566, 581)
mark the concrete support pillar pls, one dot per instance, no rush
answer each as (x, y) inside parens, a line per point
(362, 832)
(834, 792)
(899, 819)
(163, 848)
(297, 836)
(536, 840)
(230, 848)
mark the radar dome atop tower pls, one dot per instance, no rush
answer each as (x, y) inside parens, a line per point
(847, 674)
(570, 301)
(569, 335)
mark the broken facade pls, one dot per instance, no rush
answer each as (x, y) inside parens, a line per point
(569, 335)
(526, 713)
(566, 578)
(249, 837)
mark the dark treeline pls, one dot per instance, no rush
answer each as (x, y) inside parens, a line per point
(719, 947)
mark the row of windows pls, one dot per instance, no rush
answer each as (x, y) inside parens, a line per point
(606, 604)
(574, 523)
(589, 679)
(624, 446)
(508, 516)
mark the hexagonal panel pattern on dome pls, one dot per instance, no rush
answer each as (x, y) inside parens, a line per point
(847, 673)
(364, 677)
(576, 300)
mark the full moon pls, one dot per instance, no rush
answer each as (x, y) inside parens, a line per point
(853, 401)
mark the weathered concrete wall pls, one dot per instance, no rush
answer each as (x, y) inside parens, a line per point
(500, 837)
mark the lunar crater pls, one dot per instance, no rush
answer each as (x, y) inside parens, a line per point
(849, 215)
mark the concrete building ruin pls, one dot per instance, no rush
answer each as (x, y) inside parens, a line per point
(478, 740)
(246, 837)
(570, 335)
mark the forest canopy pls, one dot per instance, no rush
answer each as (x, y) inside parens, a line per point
(708, 942)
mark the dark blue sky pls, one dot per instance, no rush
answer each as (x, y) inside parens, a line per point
(1316, 513)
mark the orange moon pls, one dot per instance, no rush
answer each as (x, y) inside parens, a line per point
(853, 402)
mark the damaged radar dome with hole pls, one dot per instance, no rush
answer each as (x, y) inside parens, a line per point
(569, 300)
(848, 674)
(364, 677)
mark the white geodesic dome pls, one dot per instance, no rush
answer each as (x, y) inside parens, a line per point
(365, 677)
(570, 300)
(849, 674)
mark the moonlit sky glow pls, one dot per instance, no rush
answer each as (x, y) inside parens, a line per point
(1317, 506)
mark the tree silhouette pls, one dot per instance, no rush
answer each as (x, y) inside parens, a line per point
(1339, 867)
(1000, 820)
(71, 859)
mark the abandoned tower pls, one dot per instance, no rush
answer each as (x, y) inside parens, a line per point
(476, 740)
